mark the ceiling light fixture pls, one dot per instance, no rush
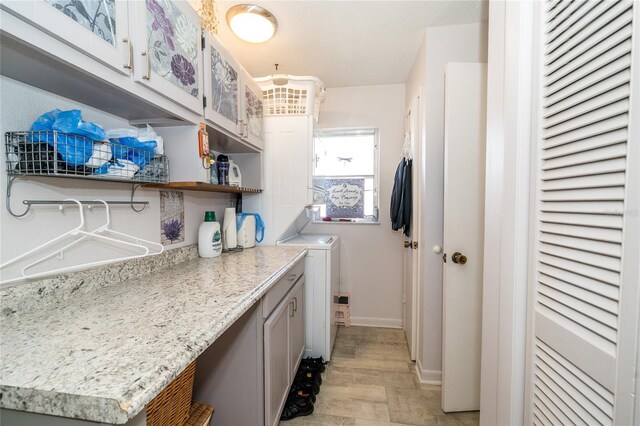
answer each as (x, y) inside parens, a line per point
(252, 23)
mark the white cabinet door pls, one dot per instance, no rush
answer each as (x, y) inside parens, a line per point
(222, 75)
(167, 50)
(252, 112)
(98, 28)
(276, 360)
(296, 327)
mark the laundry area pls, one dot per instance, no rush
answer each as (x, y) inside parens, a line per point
(319, 212)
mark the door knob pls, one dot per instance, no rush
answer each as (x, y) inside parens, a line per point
(407, 244)
(458, 257)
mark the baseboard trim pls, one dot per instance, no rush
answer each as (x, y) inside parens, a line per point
(428, 377)
(376, 322)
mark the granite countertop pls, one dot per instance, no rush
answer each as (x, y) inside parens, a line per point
(103, 355)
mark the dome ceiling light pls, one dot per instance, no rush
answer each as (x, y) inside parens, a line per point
(252, 23)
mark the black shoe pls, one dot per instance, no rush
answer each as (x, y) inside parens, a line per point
(309, 375)
(297, 390)
(307, 384)
(319, 362)
(296, 407)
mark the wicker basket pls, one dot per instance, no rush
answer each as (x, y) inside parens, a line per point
(172, 405)
(199, 415)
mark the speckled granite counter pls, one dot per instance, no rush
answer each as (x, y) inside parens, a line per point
(103, 355)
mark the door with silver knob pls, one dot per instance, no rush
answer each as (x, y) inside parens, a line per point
(463, 236)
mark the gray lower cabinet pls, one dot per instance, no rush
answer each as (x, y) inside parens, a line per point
(283, 349)
(246, 373)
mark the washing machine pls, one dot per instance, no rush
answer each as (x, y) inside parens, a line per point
(322, 285)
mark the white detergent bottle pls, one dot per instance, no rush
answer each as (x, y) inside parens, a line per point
(209, 238)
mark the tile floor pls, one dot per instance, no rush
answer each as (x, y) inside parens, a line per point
(371, 381)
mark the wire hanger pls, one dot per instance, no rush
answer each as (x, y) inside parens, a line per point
(95, 234)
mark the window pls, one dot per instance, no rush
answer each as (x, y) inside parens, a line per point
(345, 174)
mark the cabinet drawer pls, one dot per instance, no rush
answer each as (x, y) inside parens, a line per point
(280, 289)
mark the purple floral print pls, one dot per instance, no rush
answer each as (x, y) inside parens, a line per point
(172, 229)
(183, 70)
(161, 22)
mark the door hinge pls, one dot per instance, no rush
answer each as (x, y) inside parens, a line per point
(202, 41)
(204, 102)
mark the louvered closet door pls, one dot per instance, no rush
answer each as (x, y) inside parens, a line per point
(581, 188)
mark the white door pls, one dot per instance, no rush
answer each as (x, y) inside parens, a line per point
(167, 50)
(99, 29)
(583, 333)
(411, 246)
(464, 170)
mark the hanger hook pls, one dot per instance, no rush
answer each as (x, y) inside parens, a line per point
(108, 212)
(80, 209)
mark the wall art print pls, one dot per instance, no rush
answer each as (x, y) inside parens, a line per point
(171, 217)
(225, 87)
(173, 45)
(98, 16)
(254, 113)
(345, 198)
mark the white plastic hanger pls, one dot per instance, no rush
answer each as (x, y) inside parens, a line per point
(84, 235)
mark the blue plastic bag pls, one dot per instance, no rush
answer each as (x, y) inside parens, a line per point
(71, 122)
(75, 137)
(140, 154)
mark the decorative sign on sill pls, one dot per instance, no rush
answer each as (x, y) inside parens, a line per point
(345, 198)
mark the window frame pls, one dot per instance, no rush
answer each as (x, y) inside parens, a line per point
(352, 131)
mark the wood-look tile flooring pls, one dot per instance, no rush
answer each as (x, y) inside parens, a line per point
(371, 381)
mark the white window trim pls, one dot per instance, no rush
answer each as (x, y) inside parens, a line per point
(354, 131)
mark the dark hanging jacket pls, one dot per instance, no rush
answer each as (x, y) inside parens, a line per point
(396, 196)
(401, 198)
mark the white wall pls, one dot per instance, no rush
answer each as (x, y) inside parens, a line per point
(371, 255)
(20, 105)
(456, 43)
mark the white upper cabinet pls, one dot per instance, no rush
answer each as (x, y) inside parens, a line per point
(233, 99)
(167, 50)
(222, 86)
(98, 28)
(252, 129)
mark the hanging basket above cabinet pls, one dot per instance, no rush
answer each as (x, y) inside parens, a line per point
(291, 95)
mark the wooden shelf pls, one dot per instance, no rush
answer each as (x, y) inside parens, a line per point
(202, 186)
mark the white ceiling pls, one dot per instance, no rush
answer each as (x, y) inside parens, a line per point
(346, 43)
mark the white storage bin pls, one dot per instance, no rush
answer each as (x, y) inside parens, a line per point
(292, 95)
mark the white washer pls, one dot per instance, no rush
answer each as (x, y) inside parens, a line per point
(322, 285)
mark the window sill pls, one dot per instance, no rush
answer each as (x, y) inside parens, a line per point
(368, 222)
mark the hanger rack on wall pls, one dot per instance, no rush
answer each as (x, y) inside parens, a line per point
(29, 203)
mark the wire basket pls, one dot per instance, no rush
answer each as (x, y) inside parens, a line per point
(51, 153)
(298, 96)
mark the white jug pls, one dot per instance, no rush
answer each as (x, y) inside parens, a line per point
(235, 177)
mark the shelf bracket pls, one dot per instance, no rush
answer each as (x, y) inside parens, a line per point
(133, 191)
(10, 180)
